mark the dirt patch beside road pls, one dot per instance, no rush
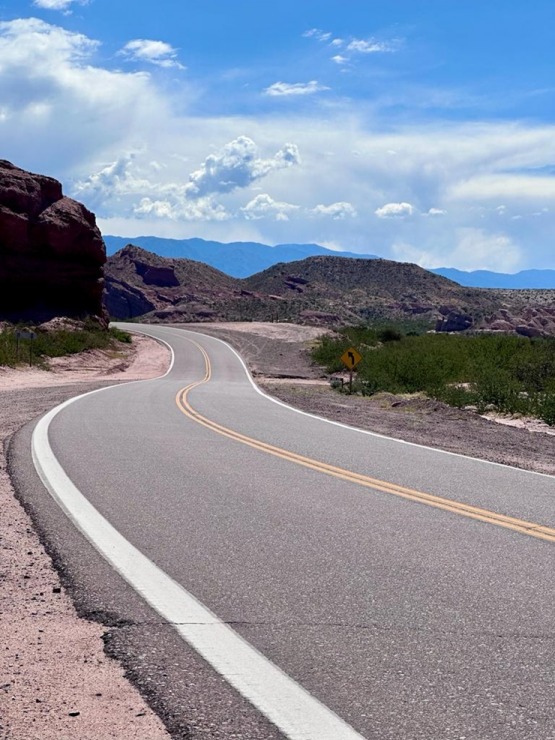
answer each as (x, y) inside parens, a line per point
(270, 349)
(57, 683)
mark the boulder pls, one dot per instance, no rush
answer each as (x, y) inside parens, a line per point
(454, 321)
(51, 251)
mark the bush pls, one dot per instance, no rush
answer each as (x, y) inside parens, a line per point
(56, 343)
(507, 373)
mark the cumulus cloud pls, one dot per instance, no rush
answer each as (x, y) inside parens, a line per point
(154, 52)
(193, 198)
(395, 210)
(435, 212)
(279, 89)
(202, 209)
(238, 165)
(263, 206)
(117, 178)
(337, 211)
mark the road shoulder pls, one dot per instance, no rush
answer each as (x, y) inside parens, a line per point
(57, 681)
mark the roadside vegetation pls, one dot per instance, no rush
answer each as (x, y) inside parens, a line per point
(54, 343)
(490, 372)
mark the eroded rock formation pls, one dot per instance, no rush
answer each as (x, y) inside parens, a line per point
(51, 251)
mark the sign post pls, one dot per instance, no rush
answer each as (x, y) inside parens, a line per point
(350, 358)
(25, 334)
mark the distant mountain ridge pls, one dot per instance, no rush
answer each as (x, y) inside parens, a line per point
(526, 279)
(243, 259)
(238, 259)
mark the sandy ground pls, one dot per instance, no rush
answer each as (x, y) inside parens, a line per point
(56, 682)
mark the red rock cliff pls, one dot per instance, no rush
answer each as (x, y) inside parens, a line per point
(51, 251)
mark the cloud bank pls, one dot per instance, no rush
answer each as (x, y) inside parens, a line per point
(144, 158)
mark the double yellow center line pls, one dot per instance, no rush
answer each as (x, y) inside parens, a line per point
(472, 512)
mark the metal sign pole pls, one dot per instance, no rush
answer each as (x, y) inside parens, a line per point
(350, 358)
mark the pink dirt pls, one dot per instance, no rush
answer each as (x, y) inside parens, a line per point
(56, 683)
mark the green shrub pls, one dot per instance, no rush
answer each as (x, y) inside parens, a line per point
(56, 343)
(507, 373)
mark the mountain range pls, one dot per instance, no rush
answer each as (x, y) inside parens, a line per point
(238, 259)
(242, 259)
(319, 290)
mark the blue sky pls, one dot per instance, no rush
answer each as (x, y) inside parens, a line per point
(420, 131)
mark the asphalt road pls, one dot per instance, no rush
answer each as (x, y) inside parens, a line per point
(408, 590)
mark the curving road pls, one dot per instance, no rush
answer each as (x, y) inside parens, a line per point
(347, 584)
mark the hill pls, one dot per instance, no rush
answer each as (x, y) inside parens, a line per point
(238, 259)
(317, 290)
(242, 259)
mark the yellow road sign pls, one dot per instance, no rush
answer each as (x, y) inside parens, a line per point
(350, 358)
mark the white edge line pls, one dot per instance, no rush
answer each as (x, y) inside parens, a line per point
(291, 708)
(357, 429)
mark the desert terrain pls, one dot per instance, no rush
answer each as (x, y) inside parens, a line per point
(57, 681)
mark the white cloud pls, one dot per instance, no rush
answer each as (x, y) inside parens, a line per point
(136, 152)
(126, 182)
(475, 249)
(155, 52)
(355, 47)
(202, 209)
(58, 108)
(395, 210)
(113, 180)
(504, 185)
(263, 206)
(479, 250)
(372, 46)
(238, 165)
(57, 4)
(338, 211)
(279, 89)
(318, 34)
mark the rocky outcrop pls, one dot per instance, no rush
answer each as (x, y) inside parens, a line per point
(139, 282)
(453, 319)
(530, 321)
(51, 251)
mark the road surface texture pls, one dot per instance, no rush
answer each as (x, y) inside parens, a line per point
(408, 590)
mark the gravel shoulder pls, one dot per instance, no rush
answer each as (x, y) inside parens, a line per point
(57, 682)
